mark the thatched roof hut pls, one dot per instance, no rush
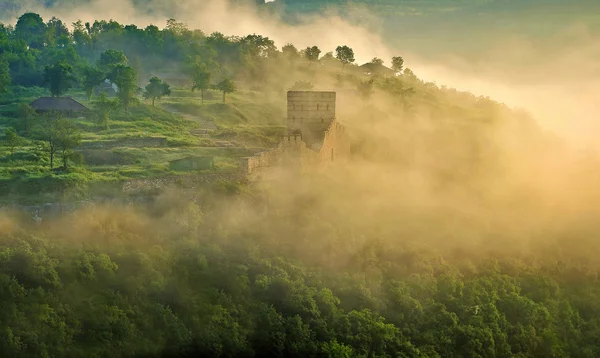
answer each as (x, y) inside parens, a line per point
(65, 105)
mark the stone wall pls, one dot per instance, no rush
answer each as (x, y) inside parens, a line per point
(336, 144)
(293, 155)
(290, 153)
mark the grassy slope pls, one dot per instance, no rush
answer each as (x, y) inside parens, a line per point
(246, 118)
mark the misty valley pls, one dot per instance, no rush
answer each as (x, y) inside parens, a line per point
(295, 183)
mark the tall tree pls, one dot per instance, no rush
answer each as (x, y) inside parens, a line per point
(176, 28)
(60, 136)
(31, 28)
(27, 115)
(58, 78)
(92, 77)
(103, 107)
(56, 32)
(201, 78)
(69, 137)
(126, 79)
(156, 89)
(312, 54)
(111, 59)
(82, 39)
(60, 29)
(12, 139)
(5, 79)
(290, 52)
(226, 86)
(345, 54)
(258, 46)
(397, 64)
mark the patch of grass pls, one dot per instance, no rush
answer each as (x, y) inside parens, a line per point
(247, 118)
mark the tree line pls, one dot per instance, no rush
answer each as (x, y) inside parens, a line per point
(88, 55)
(38, 53)
(175, 284)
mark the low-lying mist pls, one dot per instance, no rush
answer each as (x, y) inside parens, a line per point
(418, 178)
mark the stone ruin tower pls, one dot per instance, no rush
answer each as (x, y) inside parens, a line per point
(314, 138)
(310, 113)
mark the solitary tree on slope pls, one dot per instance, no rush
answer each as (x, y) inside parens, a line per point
(226, 86)
(156, 89)
(312, 54)
(201, 78)
(345, 54)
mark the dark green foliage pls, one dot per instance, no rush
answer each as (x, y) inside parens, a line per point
(12, 139)
(26, 118)
(59, 78)
(92, 77)
(5, 79)
(110, 59)
(103, 108)
(31, 29)
(156, 89)
(125, 78)
(226, 86)
(201, 78)
(345, 54)
(142, 284)
(60, 136)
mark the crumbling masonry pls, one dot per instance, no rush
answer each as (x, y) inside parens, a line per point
(315, 138)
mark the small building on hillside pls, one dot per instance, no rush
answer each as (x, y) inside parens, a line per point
(64, 105)
(377, 69)
(109, 89)
(192, 163)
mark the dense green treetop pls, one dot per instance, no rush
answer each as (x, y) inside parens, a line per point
(156, 89)
(59, 78)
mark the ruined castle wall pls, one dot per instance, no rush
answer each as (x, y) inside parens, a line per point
(293, 155)
(320, 139)
(290, 154)
(336, 144)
